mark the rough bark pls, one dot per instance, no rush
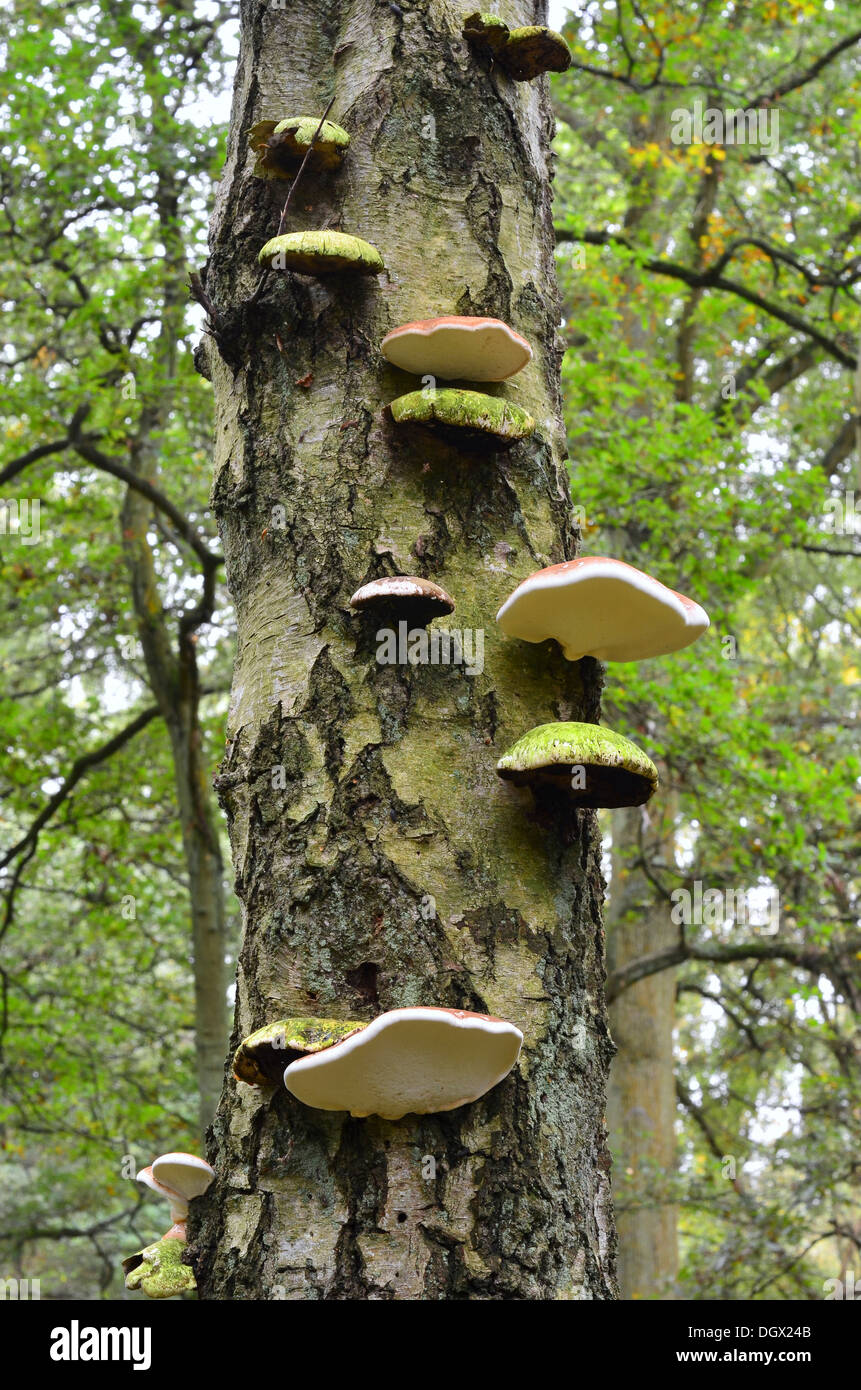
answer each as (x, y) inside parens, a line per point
(395, 867)
(641, 1106)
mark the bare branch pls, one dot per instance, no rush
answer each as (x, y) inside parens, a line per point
(85, 447)
(809, 73)
(814, 959)
(707, 279)
(79, 768)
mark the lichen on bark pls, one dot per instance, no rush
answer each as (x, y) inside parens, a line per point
(379, 859)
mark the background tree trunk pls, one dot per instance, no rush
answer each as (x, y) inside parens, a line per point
(171, 656)
(641, 1098)
(641, 1101)
(396, 868)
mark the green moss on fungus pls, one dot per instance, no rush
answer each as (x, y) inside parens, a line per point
(281, 147)
(533, 50)
(595, 766)
(260, 1059)
(521, 53)
(486, 33)
(321, 253)
(456, 409)
(158, 1270)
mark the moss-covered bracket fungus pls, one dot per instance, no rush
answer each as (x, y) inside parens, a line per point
(467, 414)
(408, 1061)
(600, 607)
(321, 253)
(533, 50)
(523, 54)
(281, 146)
(487, 34)
(260, 1058)
(592, 766)
(457, 347)
(158, 1269)
(403, 598)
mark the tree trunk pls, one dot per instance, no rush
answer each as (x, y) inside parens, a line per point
(395, 868)
(172, 670)
(641, 1108)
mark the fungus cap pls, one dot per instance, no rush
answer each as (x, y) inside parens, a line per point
(600, 607)
(408, 596)
(409, 1061)
(469, 412)
(259, 1059)
(178, 1203)
(522, 53)
(184, 1174)
(321, 253)
(281, 146)
(532, 50)
(615, 772)
(457, 347)
(486, 32)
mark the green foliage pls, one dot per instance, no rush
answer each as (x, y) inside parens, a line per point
(104, 147)
(711, 317)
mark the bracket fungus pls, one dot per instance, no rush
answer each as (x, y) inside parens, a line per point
(408, 1061)
(465, 412)
(600, 607)
(158, 1269)
(406, 598)
(593, 766)
(487, 34)
(259, 1059)
(281, 146)
(177, 1177)
(533, 50)
(522, 54)
(457, 347)
(321, 253)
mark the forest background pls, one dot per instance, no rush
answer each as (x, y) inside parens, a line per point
(712, 392)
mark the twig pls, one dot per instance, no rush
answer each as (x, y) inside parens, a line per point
(301, 168)
(196, 290)
(299, 172)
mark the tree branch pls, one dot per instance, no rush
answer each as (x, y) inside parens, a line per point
(85, 447)
(81, 766)
(808, 74)
(708, 279)
(815, 959)
(826, 550)
(841, 446)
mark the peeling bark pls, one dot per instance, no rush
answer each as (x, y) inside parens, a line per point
(379, 860)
